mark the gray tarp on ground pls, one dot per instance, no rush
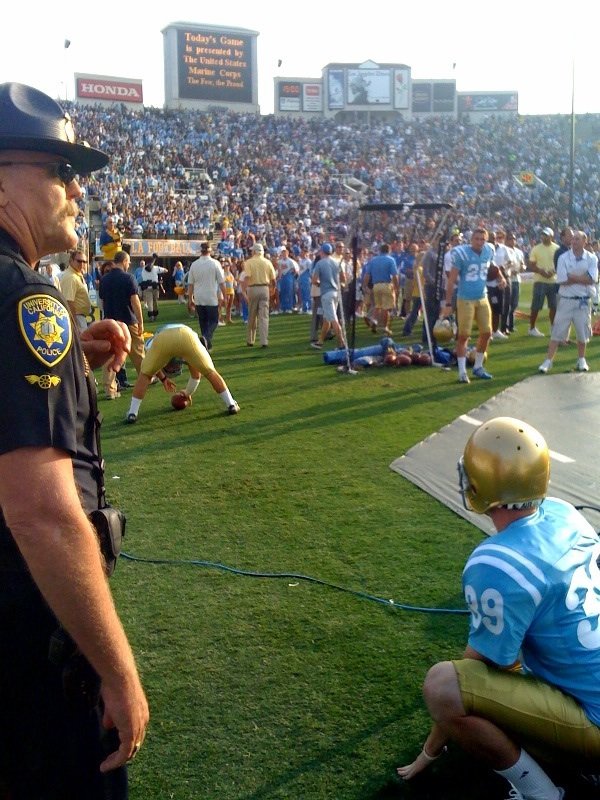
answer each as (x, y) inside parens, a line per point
(564, 408)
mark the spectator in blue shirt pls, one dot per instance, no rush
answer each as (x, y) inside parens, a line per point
(382, 274)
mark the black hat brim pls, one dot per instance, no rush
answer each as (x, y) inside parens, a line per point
(82, 157)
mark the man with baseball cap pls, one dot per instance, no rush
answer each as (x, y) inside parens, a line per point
(541, 262)
(260, 282)
(328, 276)
(206, 284)
(73, 709)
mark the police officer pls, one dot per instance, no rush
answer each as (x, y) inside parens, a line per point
(72, 708)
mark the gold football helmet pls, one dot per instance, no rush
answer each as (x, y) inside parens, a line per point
(444, 331)
(506, 463)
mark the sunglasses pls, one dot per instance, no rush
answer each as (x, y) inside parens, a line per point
(62, 170)
(80, 261)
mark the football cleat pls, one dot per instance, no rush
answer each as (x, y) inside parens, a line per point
(479, 372)
(514, 794)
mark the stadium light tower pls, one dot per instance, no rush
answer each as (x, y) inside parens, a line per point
(66, 45)
(571, 220)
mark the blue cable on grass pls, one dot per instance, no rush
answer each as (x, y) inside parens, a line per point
(294, 576)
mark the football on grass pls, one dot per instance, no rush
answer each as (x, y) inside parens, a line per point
(403, 360)
(180, 400)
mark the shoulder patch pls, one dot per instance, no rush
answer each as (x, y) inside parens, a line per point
(46, 328)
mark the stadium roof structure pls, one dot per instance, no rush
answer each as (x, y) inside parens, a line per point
(201, 26)
(365, 65)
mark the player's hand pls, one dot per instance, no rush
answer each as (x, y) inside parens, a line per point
(445, 311)
(106, 342)
(169, 385)
(126, 709)
(409, 771)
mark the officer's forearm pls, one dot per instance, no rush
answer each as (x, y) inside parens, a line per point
(61, 550)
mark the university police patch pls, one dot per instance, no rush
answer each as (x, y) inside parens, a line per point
(46, 328)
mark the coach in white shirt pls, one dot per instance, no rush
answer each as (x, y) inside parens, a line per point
(576, 276)
(206, 281)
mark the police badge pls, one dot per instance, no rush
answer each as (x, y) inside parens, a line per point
(46, 328)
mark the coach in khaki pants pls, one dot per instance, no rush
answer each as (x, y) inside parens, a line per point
(119, 293)
(260, 279)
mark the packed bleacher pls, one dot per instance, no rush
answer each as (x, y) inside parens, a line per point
(184, 174)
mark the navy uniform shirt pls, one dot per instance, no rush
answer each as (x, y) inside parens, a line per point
(47, 398)
(116, 290)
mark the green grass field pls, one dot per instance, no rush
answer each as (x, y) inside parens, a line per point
(264, 688)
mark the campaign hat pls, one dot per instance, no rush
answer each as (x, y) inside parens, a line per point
(31, 120)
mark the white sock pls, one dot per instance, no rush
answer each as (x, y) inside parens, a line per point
(135, 406)
(530, 779)
(226, 397)
(192, 385)
(478, 360)
(462, 365)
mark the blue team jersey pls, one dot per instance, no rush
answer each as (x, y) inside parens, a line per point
(472, 270)
(533, 591)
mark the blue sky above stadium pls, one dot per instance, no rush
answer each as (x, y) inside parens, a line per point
(524, 46)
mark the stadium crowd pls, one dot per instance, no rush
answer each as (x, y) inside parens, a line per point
(183, 174)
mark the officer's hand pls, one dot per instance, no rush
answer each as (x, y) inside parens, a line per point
(106, 342)
(126, 709)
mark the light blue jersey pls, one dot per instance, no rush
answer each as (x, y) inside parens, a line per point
(472, 270)
(534, 594)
